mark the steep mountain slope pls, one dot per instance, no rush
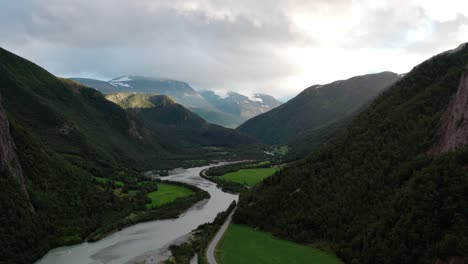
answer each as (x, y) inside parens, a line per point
(454, 123)
(375, 194)
(70, 118)
(240, 105)
(182, 130)
(9, 162)
(317, 109)
(62, 135)
(228, 112)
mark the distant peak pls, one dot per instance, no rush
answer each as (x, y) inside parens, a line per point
(256, 98)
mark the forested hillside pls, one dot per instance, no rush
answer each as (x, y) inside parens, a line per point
(57, 137)
(375, 193)
(316, 112)
(63, 135)
(182, 130)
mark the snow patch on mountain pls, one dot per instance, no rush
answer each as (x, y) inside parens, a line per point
(223, 94)
(255, 98)
(121, 79)
(122, 84)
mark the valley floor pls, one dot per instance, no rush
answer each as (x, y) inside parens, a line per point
(245, 245)
(249, 177)
(167, 193)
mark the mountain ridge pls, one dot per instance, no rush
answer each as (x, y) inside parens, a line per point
(180, 127)
(216, 112)
(317, 111)
(373, 194)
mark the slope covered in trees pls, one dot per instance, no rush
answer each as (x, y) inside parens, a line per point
(182, 130)
(57, 137)
(64, 135)
(316, 112)
(374, 193)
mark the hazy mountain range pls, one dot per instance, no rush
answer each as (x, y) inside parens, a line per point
(230, 111)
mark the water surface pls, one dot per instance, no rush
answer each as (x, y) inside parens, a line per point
(142, 243)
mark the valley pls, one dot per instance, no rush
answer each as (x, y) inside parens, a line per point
(148, 241)
(369, 169)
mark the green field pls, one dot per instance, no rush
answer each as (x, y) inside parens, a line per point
(167, 193)
(249, 177)
(244, 245)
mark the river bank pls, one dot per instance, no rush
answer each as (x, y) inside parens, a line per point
(137, 240)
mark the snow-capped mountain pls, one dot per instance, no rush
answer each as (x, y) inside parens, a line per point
(230, 111)
(244, 106)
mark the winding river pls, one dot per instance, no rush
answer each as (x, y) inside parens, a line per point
(146, 242)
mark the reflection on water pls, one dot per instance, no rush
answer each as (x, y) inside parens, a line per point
(143, 243)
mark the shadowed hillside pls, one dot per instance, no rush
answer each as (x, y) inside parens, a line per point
(183, 131)
(313, 115)
(373, 194)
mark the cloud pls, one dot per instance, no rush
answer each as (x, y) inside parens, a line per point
(271, 46)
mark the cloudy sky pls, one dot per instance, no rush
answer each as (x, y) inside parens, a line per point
(278, 47)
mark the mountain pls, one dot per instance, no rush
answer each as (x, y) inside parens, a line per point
(57, 135)
(317, 111)
(207, 105)
(102, 86)
(392, 187)
(180, 91)
(182, 129)
(241, 105)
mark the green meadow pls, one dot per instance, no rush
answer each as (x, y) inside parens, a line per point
(167, 193)
(249, 177)
(245, 245)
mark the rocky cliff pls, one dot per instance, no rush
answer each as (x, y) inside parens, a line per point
(453, 132)
(9, 163)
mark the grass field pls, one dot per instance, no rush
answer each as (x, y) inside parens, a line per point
(249, 177)
(167, 193)
(244, 245)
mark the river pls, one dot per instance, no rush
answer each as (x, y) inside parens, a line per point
(144, 242)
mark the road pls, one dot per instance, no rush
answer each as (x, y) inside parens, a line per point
(210, 252)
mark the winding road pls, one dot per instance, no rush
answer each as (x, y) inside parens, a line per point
(210, 252)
